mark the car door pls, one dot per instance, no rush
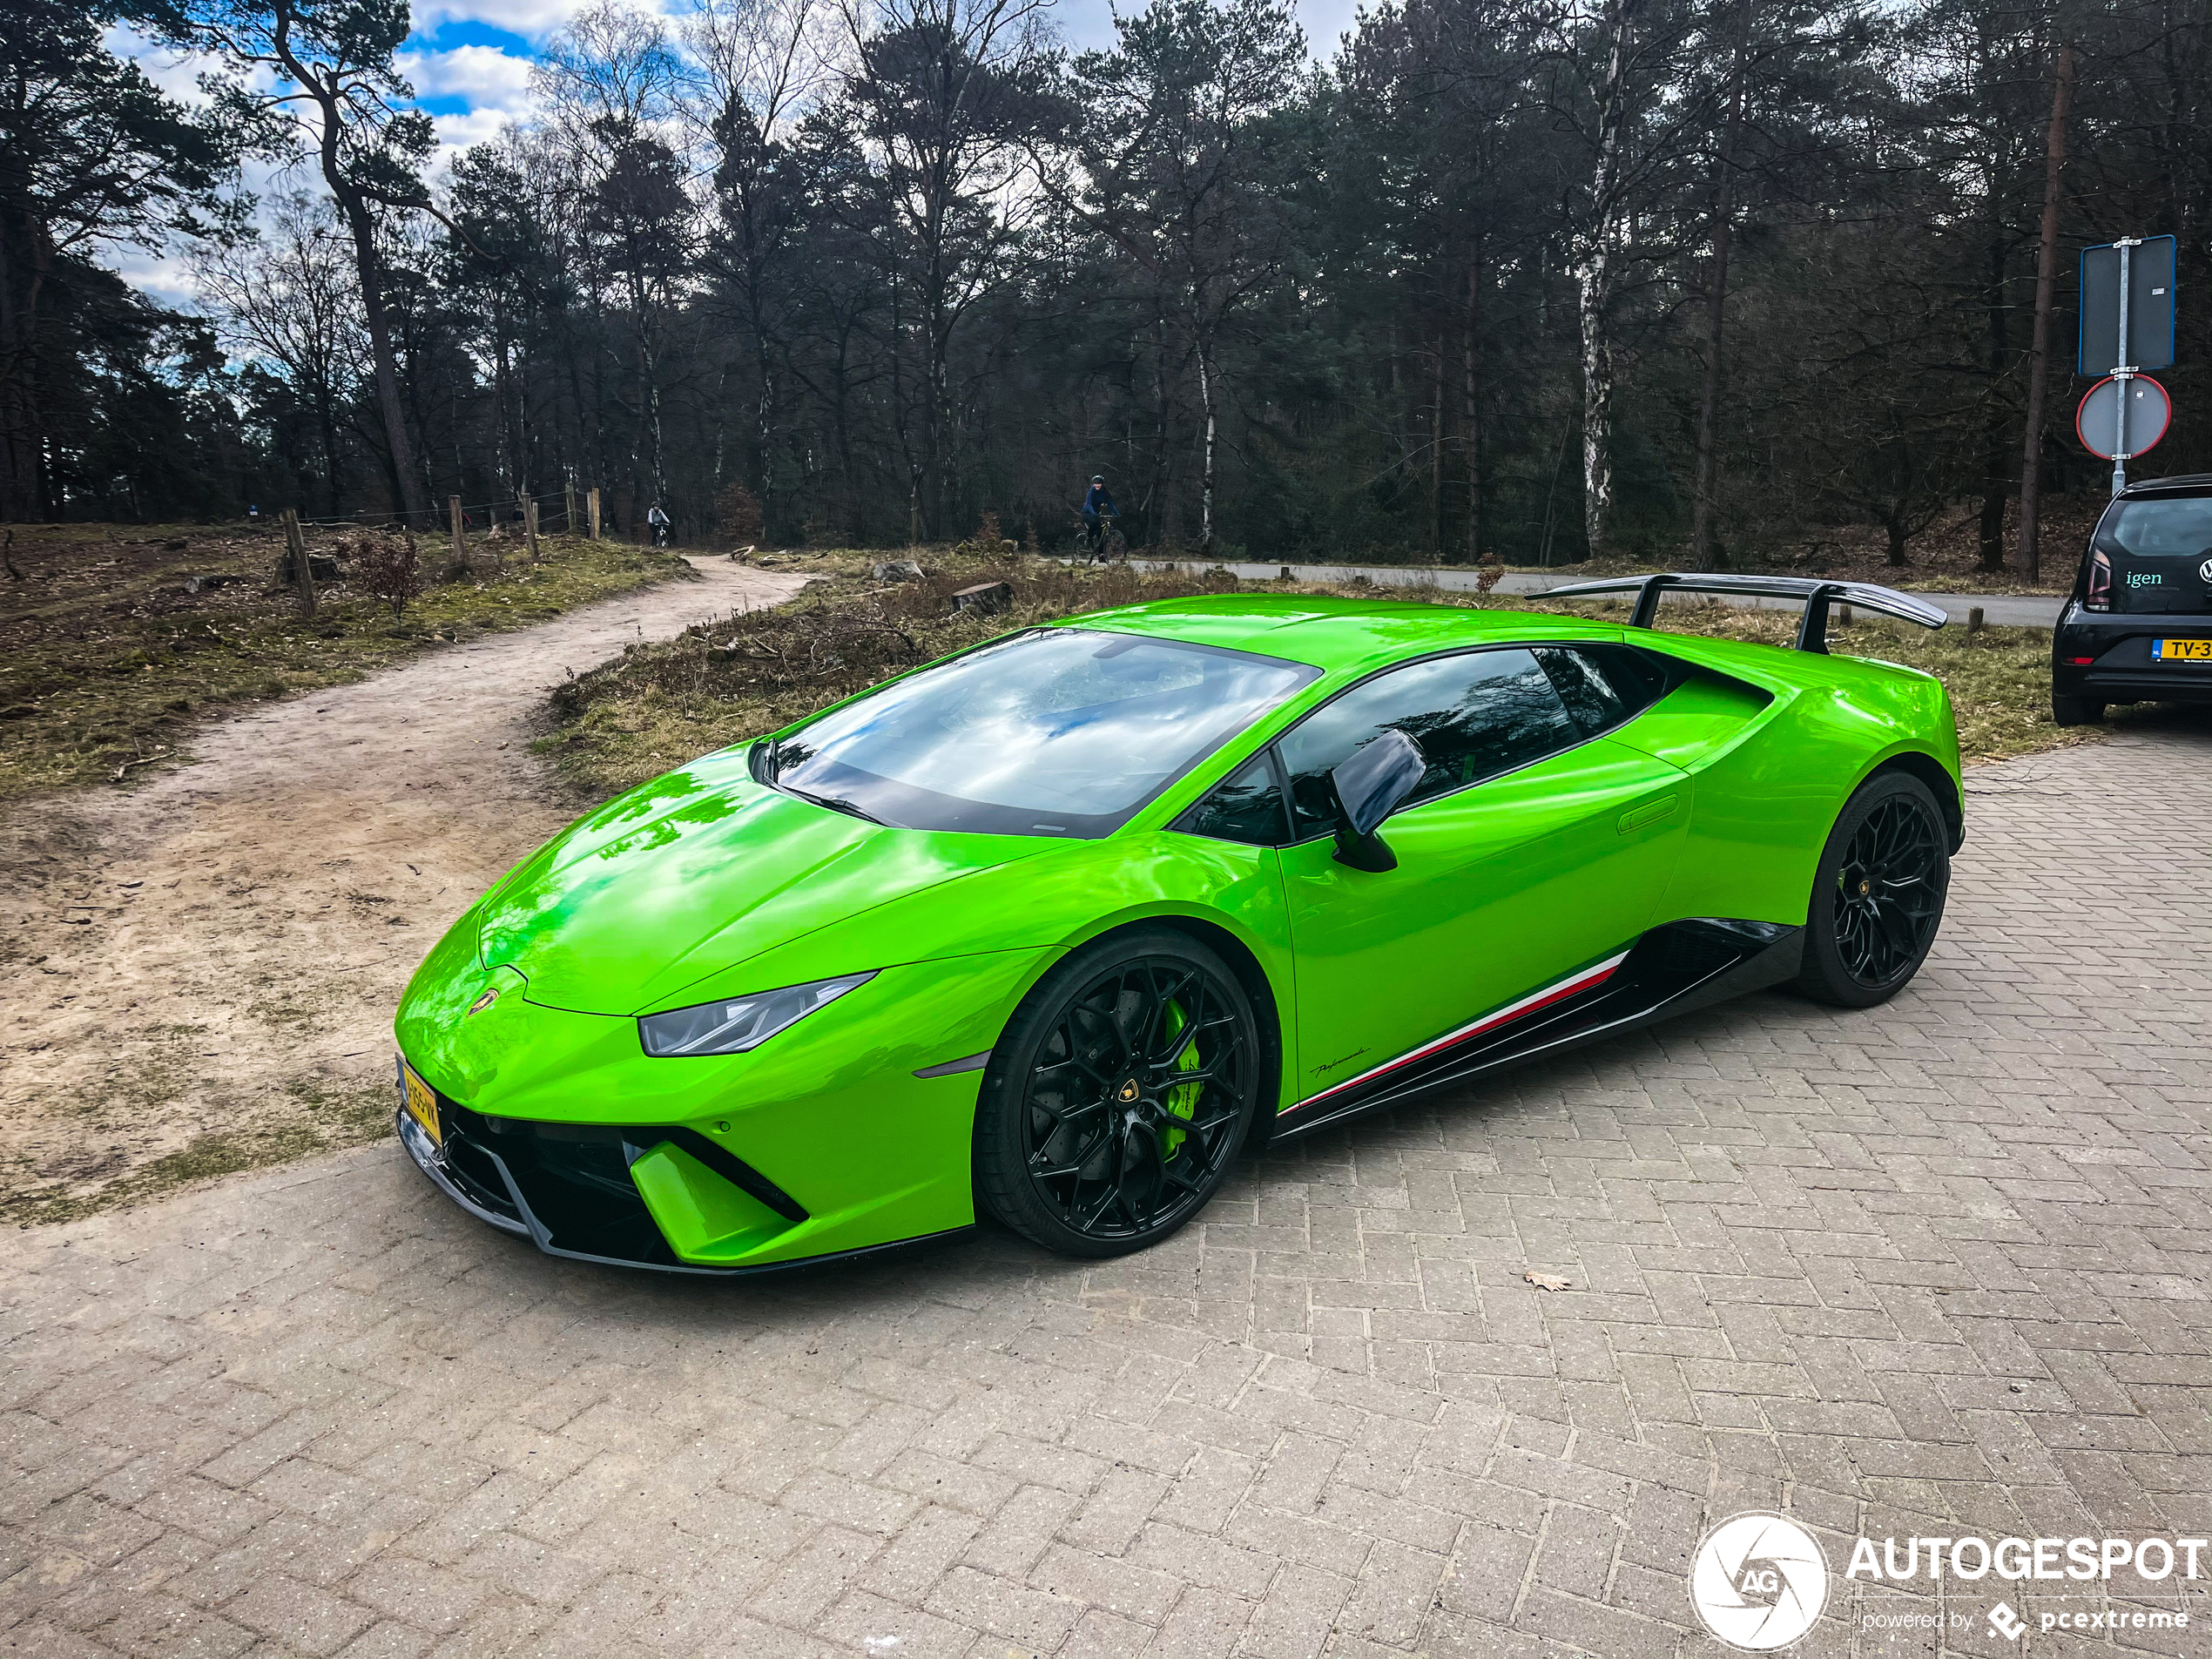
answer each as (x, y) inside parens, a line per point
(1530, 852)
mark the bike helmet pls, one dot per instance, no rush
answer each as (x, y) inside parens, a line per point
(1098, 478)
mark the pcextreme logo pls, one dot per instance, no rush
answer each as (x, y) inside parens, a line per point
(1758, 1581)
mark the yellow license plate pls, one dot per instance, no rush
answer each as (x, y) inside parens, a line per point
(421, 1104)
(2181, 651)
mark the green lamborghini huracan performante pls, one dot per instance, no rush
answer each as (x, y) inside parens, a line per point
(1054, 928)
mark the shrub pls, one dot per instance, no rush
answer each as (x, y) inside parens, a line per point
(738, 511)
(391, 570)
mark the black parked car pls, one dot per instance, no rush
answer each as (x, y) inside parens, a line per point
(2138, 628)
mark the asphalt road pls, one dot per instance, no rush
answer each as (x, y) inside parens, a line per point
(1999, 609)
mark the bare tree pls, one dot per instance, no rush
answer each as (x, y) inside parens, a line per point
(1174, 155)
(291, 297)
(945, 92)
(1622, 89)
(326, 71)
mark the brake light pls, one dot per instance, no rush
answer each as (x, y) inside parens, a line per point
(2099, 596)
(2081, 662)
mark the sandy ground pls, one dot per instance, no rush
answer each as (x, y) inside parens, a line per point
(211, 960)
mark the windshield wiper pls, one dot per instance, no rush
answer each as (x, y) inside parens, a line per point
(836, 804)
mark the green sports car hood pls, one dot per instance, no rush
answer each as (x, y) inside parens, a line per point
(701, 870)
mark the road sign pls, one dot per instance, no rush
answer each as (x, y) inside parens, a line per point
(2097, 422)
(2149, 315)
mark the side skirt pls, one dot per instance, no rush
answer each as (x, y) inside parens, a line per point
(1672, 969)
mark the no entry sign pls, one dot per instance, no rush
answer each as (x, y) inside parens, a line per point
(2097, 422)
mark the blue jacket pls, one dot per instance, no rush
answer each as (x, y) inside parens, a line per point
(1099, 498)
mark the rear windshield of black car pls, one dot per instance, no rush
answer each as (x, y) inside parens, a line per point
(2158, 551)
(1060, 731)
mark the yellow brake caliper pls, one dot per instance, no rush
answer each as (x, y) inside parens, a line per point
(1183, 1099)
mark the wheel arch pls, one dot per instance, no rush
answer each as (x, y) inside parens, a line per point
(1919, 763)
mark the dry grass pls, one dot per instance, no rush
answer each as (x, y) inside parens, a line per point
(728, 681)
(660, 705)
(106, 659)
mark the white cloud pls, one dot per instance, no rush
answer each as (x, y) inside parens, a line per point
(534, 19)
(458, 133)
(486, 77)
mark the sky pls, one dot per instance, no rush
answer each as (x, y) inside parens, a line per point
(469, 61)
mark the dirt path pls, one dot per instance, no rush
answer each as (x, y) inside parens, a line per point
(198, 975)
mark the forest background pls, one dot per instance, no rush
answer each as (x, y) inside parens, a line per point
(1534, 281)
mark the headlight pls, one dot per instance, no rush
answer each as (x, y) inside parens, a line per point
(742, 1022)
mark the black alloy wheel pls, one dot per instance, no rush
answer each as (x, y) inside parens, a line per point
(1119, 1096)
(1878, 893)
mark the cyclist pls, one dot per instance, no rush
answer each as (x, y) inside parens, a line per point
(1098, 506)
(658, 520)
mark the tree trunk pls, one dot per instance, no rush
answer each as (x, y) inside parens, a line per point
(2038, 353)
(22, 436)
(414, 502)
(1471, 426)
(1436, 445)
(1594, 278)
(1598, 400)
(1206, 472)
(1704, 550)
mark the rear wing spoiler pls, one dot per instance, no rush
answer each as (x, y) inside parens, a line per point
(1817, 596)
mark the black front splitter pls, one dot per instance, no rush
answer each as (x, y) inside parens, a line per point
(427, 1157)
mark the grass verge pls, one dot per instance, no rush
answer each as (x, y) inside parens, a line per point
(315, 1120)
(107, 658)
(731, 679)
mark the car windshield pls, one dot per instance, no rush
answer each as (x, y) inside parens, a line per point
(1062, 732)
(2160, 552)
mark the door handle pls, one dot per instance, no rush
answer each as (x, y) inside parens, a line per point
(1650, 812)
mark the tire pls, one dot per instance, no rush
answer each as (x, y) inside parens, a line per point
(1878, 894)
(2075, 710)
(1101, 1041)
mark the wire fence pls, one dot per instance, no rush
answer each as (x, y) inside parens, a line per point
(512, 505)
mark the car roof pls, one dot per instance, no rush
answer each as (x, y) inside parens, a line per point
(1332, 633)
(2186, 484)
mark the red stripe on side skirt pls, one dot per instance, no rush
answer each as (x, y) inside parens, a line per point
(1587, 979)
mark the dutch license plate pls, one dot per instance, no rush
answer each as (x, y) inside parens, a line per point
(422, 1104)
(2181, 651)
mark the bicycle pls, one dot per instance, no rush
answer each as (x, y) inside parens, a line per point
(1108, 545)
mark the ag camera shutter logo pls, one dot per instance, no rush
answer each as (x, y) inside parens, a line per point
(1759, 1581)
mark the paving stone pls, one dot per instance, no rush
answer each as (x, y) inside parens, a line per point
(1934, 1267)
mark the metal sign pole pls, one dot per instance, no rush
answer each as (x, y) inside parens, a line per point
(2123, 373)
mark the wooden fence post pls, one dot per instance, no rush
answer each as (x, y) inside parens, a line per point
(453, 511)
(303, 572)
(595, 514)
(568, 493)
(529, 523)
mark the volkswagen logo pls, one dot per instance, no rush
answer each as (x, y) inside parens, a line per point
(1759, 1581)
(484, 1001)
(2205, 570)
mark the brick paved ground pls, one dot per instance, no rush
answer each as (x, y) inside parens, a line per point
(1938, 1268)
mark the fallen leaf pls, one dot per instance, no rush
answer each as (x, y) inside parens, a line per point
(1548, 1281)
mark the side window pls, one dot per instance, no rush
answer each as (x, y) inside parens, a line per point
(1248, 807)
(1603, 685)
(1474, 716)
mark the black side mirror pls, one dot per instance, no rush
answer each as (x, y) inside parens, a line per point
(1369, 788)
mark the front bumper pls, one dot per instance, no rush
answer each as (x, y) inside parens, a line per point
(839, 1135)
(575, 1195)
